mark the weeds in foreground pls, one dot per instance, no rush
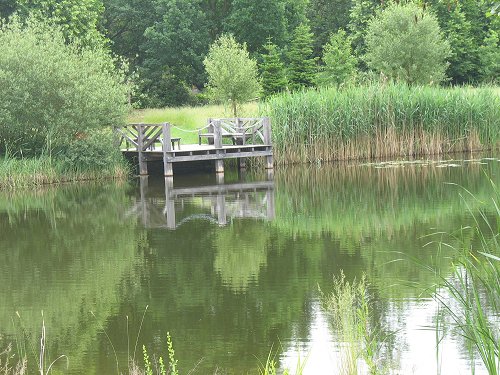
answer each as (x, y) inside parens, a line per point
(350, 310)
(6, 368)
(470, 298)
(158, 366)
(271, 366)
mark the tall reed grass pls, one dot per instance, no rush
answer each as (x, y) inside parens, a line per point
(471, 296)
(22, 173)
(382, 120)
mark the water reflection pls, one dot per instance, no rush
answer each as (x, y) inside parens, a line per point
(232, 268)
(220, 203)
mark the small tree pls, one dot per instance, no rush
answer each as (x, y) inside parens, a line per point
(490, 57)
(232, 74)
(405, 42)
(272, 70)
(302, 65)
(340, 64)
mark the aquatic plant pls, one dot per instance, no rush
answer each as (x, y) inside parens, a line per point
(470, 298)
(382, 120)
(350, 310)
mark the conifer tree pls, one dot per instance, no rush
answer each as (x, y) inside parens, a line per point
(302, 64)
(272, 70)
(339, 62)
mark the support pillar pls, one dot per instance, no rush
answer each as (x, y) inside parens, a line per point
(168, 170)
(143, 165)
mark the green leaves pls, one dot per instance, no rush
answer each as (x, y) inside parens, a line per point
(232, 75)
(404, 43)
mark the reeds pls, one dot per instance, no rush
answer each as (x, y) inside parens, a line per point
(25, 173)
(471, 296)
(382, 120)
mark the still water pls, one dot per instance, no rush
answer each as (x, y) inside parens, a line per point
(233, 269)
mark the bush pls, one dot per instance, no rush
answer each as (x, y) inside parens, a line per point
(52, 91)
(93, 152)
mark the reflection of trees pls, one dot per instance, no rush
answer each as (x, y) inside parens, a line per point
(66, 254)
(241, 252)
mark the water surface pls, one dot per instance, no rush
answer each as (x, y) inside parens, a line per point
(232, 269)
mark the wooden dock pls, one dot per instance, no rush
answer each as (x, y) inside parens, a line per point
(226, 138)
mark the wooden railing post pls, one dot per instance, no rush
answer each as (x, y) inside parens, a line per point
(267, 131)
(143, 166)
(168, 170)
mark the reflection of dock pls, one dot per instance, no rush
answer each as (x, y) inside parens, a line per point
(213, 203)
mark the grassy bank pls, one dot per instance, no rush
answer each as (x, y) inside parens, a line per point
(31, 172)
(188, 119)
(382, 121)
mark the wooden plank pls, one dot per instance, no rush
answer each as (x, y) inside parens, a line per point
(178, 159)
(223, 189)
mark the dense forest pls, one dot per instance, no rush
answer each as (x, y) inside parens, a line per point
(296, 43)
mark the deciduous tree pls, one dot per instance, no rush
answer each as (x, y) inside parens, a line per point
(404, 42)
(232, 74)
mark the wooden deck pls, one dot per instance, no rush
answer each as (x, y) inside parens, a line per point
(250, 137)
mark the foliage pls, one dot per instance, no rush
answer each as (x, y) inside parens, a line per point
(173, 52)
(51, 91)
(326, 17)
(463, 59)
(245, 22)
(489, 54)
(232, 74)
(301, 63)
(90, 152)
(386, 120)
(273, 71)
(78, 19)
(360, 15)
(404, 42)
(339, 62)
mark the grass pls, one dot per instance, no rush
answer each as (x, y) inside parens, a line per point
(188, 119)
(470, 298)
(361, 337)
(382, 120)
(26, 173)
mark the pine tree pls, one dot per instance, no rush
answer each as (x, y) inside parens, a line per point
(302, 65)
(272, 70)
(339, 62)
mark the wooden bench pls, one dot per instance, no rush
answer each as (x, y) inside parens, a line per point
(172, 140)
(237, 138)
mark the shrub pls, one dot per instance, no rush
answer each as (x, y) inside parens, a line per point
(52, 91)
(93, 152)
(405, 42)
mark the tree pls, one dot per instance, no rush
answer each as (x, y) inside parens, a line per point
(253, 21)
(78, 19)
(302, 65)
(340, 64)
(405, 42)
(325, 17)
(232, 74)
(272, 70)
(361, 13)
(52, 91)
(173, 52)
(464, 59)
(490, 58)
(7, 7)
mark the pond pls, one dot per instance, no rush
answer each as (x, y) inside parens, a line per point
(232, 269)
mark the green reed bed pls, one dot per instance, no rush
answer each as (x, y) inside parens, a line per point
(382, 120)
(21, 173)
